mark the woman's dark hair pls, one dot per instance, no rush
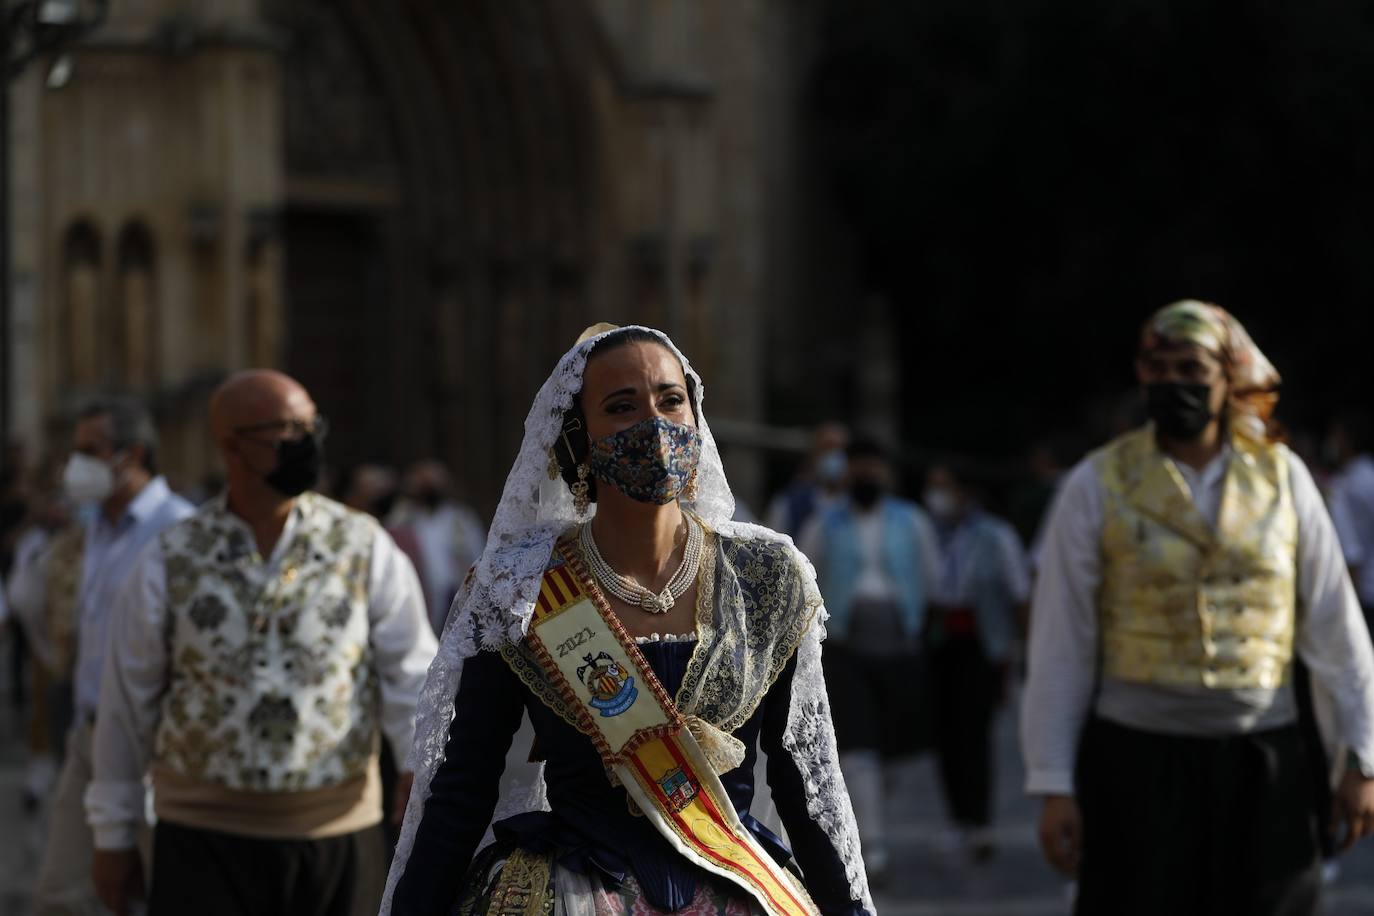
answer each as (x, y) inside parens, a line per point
(572, 446)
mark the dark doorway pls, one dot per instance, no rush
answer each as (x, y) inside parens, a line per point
(337, 288)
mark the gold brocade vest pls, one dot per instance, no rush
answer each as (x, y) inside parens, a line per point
(272, 686)
(66, 560)
(1181, 603)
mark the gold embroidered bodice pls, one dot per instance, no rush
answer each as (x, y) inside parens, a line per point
(1182, 603)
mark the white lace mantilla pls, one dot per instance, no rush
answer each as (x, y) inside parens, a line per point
(494, 606)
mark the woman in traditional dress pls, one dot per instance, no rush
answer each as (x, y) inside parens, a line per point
(655, 646)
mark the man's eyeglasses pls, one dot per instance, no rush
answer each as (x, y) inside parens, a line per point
(277, 430)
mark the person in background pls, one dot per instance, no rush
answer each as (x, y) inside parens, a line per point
(1350, 493)
(1031, 499)
(42, 589)
(370, 488)
(14, 513)
(448, 536)
(877, 561)
(818, 483)
(977, 608)
(114, 466)
(257, 652)
(1186, 564)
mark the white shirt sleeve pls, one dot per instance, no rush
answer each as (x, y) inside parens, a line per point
(1332, 637)
(1063, 635)
(131, 688)
(26, 590)
(402, 641)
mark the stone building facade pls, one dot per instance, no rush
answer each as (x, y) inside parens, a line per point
(414, 207)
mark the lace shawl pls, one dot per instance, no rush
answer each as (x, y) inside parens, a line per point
(493, 608)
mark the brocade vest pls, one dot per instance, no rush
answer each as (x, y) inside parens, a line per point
(66, 563)
(272, 684)
(1182, 603)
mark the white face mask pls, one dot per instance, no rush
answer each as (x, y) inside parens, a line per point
(830, 467)
(87, 479)
(940, 502)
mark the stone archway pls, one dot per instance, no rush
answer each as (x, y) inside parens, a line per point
(437, 219)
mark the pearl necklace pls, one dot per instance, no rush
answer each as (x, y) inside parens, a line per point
(630, 591)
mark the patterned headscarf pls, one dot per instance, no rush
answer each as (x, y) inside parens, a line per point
(1254, 380)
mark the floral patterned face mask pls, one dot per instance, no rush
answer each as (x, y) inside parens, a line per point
(651, 461)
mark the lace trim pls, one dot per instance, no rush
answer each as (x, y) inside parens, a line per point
(706, 627)
(777, 611)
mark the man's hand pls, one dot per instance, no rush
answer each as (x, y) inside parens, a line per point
(118, 878)
(401, 797)
(1353, 806)
(1061, 833)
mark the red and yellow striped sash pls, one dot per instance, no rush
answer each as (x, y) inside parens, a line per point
(643, 738)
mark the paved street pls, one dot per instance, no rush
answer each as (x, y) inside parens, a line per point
(1017, 882)
(928, 880)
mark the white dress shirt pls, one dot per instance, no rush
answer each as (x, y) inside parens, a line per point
(451, 539)
(1062, 685)
(26, 592)
(957, 584)
(110, 553)
(873, 584)
(811, 542)
(137, 673)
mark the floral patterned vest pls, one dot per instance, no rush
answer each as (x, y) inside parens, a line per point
(66, 562)
(272, 685)
(1181, 603)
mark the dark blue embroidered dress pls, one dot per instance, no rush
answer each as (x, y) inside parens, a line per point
(591, 828)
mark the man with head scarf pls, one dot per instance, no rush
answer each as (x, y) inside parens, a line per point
(1184, 565)
(259, 649)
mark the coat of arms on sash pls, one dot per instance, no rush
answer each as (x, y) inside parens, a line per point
(679, 789)
(612, 688)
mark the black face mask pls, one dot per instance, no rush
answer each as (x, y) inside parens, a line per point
(865, 492)
(298, 465)
(1180, 410)
(429, 497)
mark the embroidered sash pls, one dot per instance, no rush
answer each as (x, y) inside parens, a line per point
(645, 740)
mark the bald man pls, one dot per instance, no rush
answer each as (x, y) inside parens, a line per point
(257, 652)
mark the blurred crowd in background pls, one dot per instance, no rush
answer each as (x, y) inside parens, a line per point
(925, 560)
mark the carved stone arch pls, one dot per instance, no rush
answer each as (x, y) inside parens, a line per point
(479, 228)
(134, 323)
(81, 313)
